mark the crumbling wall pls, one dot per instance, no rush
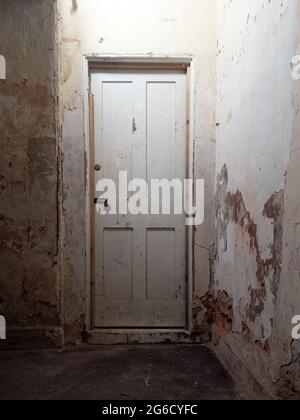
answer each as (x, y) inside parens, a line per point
(29, 286)
(257, 214)
(154, 28)
(287, 357)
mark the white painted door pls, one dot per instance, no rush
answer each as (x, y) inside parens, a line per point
(140, 273)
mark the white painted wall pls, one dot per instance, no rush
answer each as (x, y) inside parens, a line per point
(257, 113)
(133, 27)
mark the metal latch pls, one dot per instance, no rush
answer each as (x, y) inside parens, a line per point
(103, 201)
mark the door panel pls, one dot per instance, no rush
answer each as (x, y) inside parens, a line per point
(117, 111)
(139, 261)
(161, 137)
(160, 265)
(118, 263)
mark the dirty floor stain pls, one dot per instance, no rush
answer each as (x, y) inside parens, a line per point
(118, 373)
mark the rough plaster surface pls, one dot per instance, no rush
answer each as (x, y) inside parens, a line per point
(29, 287)
(248, 284)
(256, 262)
(168, 27)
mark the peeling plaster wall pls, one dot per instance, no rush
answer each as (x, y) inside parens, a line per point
(256, 282)
(156, 27)
(29, 286)
(287, 358)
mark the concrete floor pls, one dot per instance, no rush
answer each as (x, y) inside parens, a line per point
(119, 372)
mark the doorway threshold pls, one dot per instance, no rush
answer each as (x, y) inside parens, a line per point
(140, 336)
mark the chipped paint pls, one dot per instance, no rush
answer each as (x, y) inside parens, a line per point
(257, 134)
(231, 209)
(247, 284)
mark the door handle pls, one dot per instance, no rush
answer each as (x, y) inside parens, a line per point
(103, 201)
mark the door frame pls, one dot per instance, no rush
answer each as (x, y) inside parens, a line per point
(92, 61)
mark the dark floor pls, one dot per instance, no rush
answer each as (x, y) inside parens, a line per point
(121, 373)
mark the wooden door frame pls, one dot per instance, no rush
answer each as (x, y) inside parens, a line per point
(93, 61)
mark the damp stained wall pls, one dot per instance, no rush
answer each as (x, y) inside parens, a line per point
(252, 274)
(29, 275)
(256, 284)
(156, 27)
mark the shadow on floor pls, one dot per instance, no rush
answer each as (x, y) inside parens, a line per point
(116, 373)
